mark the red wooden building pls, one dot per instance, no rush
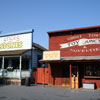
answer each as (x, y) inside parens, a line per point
(79, 61)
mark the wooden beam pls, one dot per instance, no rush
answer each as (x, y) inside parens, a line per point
(3, 66)
(70, 74)
(20, 65)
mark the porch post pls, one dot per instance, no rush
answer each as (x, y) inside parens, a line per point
(3, 66)
(43, 74)
(20, 66)
(70, 74)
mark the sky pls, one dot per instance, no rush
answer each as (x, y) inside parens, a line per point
(47, 15)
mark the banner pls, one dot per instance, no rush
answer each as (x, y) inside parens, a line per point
(80, 42)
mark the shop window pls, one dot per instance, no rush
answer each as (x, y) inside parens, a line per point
(65, 72)
(92, 70)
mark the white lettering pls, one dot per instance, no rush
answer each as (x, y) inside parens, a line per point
(80, 42)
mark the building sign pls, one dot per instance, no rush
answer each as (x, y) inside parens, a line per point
(80, 42)
(16, 42)
(51, 55)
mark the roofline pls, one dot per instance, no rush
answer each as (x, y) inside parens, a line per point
(74, 58)
(39, 46)
(17, 33)
(75, 29)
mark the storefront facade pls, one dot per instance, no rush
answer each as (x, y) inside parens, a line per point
(79, 61)
(18, 56)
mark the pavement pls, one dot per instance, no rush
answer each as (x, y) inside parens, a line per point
(38, 92)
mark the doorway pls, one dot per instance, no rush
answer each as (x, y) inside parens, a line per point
(75, 77)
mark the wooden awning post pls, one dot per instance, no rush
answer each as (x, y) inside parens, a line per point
(20, 66)
(70, 74)
(3, 66)
(43, 74)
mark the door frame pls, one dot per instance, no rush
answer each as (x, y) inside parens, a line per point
(75, 79)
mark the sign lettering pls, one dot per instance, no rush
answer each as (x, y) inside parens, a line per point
(16, 42)
(51, 55)
(80, 42)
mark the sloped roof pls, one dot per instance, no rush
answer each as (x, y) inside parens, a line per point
(19, 52)
(73, 58)
(75, 29)
(39, 47)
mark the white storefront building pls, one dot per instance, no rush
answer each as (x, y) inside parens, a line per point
(19, 55)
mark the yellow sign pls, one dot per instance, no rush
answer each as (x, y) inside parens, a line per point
(51, 55)
(11, 45)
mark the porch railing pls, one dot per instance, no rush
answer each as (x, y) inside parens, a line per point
(15, 74)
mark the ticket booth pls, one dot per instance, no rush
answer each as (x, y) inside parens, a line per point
(75, 77)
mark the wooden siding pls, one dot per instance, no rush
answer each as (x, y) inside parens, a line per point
(39, 76)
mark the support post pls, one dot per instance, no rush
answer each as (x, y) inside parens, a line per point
(31, 69)
(43, 75)
(20, 66)
(49, 72)
(3, 66)
(70, 74)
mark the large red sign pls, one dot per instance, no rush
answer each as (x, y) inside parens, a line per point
(87, 44)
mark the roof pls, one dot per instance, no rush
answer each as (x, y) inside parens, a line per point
(39, 46)
(19, 52)
(75, 29)
(80, 58)
(73, 58)
(17, 33)
(13, 52)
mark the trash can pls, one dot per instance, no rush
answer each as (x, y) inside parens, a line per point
(27, 81)
(1, 80)
(23, 81)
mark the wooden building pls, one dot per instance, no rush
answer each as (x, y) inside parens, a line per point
(74, 57)
(18, 56)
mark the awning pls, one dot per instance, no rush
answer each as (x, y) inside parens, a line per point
(73, 58)
(49, 61)
(13, 52)
(81, 58)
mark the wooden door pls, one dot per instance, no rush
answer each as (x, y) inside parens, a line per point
(75, 77)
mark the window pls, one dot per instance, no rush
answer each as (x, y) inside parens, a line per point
(25, 64)
(15, 63)
(92, 70)
(65, 72)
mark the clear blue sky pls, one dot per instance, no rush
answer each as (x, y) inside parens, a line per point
(47, 15)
